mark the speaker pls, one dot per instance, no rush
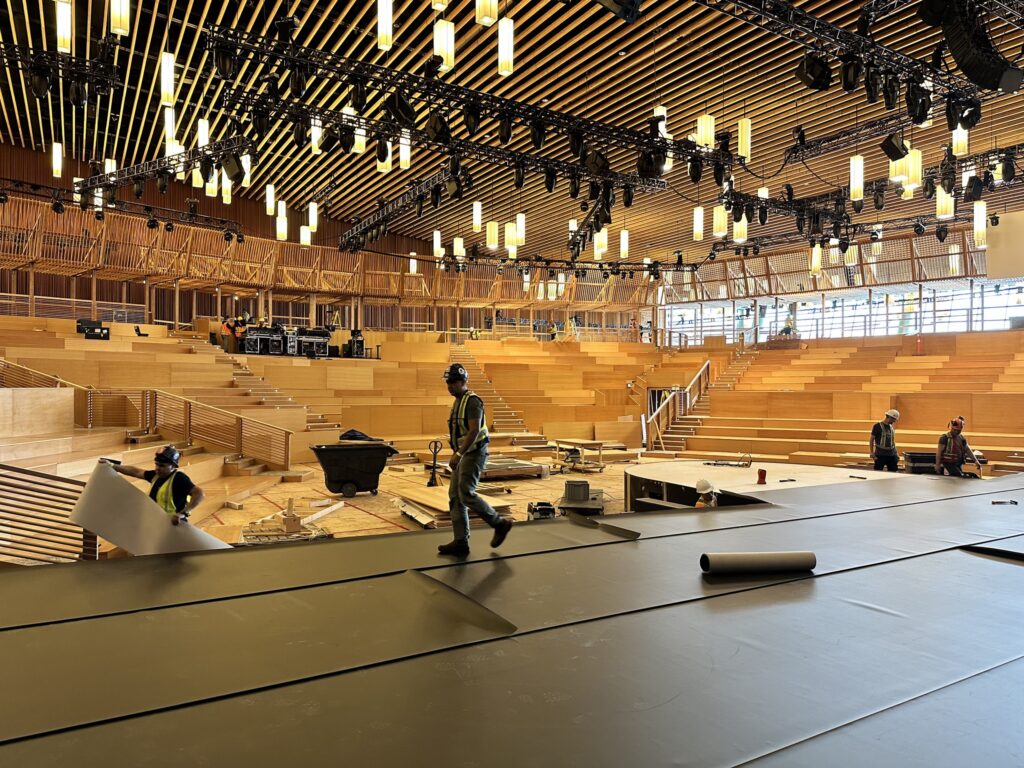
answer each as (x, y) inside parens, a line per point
(627, 10)
(437, 129)
(973, 189)
(401, 111)
(893, 147)
(975, 53)
(233, 168)
(814, 72)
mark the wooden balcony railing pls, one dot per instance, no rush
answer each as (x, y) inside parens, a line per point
(35, 524)
(177, 418)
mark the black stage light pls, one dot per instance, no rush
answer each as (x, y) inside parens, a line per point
(994, 219)
(647, 167)
(799, 136)
(152, 223)
(261, 122)
(748, 212)
(57, 206)
(973, 189)
(437, 128)
(576, 144)
(329, 140)
(206, 168)
(929, 188)
(891, 91)
(953, 111)
(284, 28)
(919, 103)
(381, 148)
(99, 215)
(300, 133)
(893, 147)
(550, 178)
(872, 83)
(719, 172)
(875, 235)
(467, 179)
(597, 162)
(879, 198)
(970, 114)
(762, 215)
(78, 93)
(814, 72)
(574, 186)
(357, 94)
(419, 205)
(162, 180)
(346, 138)
(436, 193)
(224, 61)
(941, 232)
(240, 237)
(800, 222)
(519, 176)
(39, 81)
(400, 109)
(787, 189)
(471, 117)
(858, 206)
(844, 245)
(169, 226)
(454, 165)
(228, 236)
(757, 249)
(454, 188)
(505, 128)
(232, 166)
(627, 195)
(919, 228)
(836, 228)
(538, 133)
(138, 187)
(297, 81)
(695, 168)
(737, 213)
(594, 191)
(850, 73)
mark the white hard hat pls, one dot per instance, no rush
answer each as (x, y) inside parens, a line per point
(703, 486)
(892, 413)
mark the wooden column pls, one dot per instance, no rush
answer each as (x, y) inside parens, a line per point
(177, 303)
(145, 301)
(270, 306)
(124, 294)
(32, 290)
(312, 310)
(93, 310)
(195, 307)
(220, 310)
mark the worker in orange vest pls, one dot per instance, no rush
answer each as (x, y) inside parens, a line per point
(227, 335)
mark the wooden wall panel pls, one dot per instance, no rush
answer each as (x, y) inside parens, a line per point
(36, 411)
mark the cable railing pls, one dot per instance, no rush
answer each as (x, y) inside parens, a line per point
(175, 417)
(677, 403)
(35, 519)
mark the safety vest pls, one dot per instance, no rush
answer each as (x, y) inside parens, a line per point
(887, 443)
(226, 329)
(458, 425)
(953, 452)
(164, 495)
(701, 503)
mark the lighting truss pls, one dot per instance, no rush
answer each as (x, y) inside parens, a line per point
(45, 192)
(851, 137)
(1010, 11)
(241, 102)
(390, 210)
(782, 207)
(785, 20)
(578, 239)
(171, 164)
(447, 96)
(99, 73)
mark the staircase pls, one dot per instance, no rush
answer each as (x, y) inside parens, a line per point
(503, 417)
(728, 378)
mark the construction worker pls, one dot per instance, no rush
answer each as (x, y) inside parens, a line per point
(707, 494)
(883, 443)
(227, 335)
(170, 488)
(467, 435)
(240, 329)
(953, 450)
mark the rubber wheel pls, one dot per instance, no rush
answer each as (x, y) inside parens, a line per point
(374, 492)
(348, 490)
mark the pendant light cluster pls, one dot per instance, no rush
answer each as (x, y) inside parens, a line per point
(444, 33)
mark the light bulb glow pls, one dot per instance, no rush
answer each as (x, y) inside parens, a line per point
(169, 122)
(573, 225)
(438, 251)
(316, 134)
(247, 167)
(314, 216)
(458, 248)
(511, 236)
(270, 199)
(64, 26)
(764, 193)
(167, 79)
(57, 159)
(385, 36)
(282, 228)
(857, 177)
(444, 43)
(506, 46)
(914, 169)
(478, 216)
(980, 225)
(814, 264)
(513, 252)
(698, 223)
(486, 12)
(743, 130)
(719, 224)
(492, 235)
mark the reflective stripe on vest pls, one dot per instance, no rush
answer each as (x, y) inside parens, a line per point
(461, 428)
(164, 496)
(888, 441)
(953, 453)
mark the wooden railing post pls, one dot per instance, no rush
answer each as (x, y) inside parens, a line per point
(187, 425)
(239, 424)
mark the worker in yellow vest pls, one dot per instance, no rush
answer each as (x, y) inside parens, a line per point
(467, 435)
(169, 487)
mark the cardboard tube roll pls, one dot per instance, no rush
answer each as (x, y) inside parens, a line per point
(756, 562)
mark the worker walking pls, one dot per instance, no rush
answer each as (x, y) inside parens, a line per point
(883, 443)
(953, 450)
(467, 434)
(707, 494)
(170, 488)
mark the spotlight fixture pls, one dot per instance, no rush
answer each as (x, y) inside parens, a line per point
(627, 196)
(78, 93)
(719, 173)
(929, 188)
(970, 114)
(814, 72)
(757, 249)
(437, 128)
(800, 222)
(891, 91)
(39, 80)
(576, 144)
(224, 61)
(419, 205)
(788, 192)
(850, 73)
(436, 193)
(872, 83)
(953, 111)
(357, 93)
(941, 232)
(297, 81)
(169, 226)
(138, 187)
(57, 206)
(879, 198)
(162, 180)
(994, 220)
(471, 117)
(858, 205)
(228, 236)
(973, 189)
(261, 122)
(300, 133)
(762, 215)
(401, 110)
(538, 133)
(152, 223)
(99, 215)
(519, 176)
(574, 186)
(594, 190)
(748, 212)
(346, 139)
(240, 238)
(875, 235)
(799, 137)
(206, 168)
(919, 228)
(1008, 167)
(695, 168)
(550, 178)
(505, 128)
(919, 103)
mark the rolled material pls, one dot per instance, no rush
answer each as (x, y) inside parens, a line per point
(722, 563)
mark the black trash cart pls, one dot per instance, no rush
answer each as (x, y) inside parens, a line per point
(353, 466)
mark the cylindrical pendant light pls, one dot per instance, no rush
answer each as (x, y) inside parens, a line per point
(706, 130)
(438, 5)
(444, 43)
(814, 262)
(561, 284)
(573, 225)
(282, 228)
(486, 12)
(305, 236)
(719, 223)
(876, 245)
(492, 235)
(314, 216)
(520, 229)
(914, 169)
(225, 187)
(739, 231)
(384, 25)
(384, 166)
(57, 159)
(119, 16)
(857, 177)
(64, 26)
(980, 225)
(169, 122)
(698, 223)
(437, 244)
(316, 134)
(405, 152)
(202, 139)
(247, 167)
(459, 248)
(743, 129)
(511, 238)
(513, 252)
(945, 204)
(167, 79)
(764, 193)
(282, 210)
(270, 199)
(601, 242)
(953, 251)
(960, 141)
(623, 244)
(413, 265)
(506, 46)
(478, 216)
(850, 257)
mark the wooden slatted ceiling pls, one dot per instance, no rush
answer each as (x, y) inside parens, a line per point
(567, 58)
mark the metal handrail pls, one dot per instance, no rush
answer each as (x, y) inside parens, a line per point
(678, 403)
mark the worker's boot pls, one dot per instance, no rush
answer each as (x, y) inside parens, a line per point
(455, 548)
(501, 531)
